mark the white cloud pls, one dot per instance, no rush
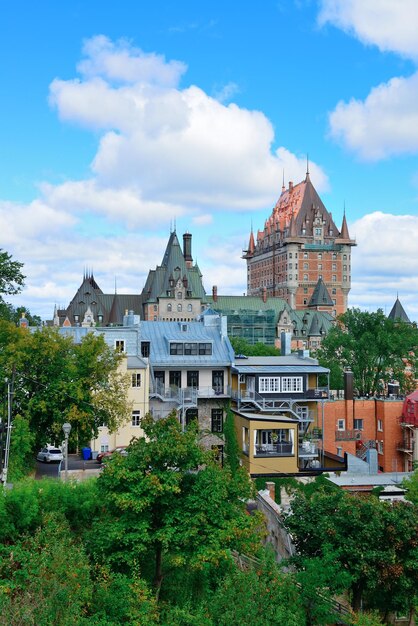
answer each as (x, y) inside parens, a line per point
(177, 145)
(385, 124)
(123, 62)
(227, 92)
(379, 268)
(391, 25)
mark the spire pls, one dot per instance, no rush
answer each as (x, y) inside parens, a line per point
(116, 290)
(292, 227)
(344, 228)
(307, 179)
(283, 187)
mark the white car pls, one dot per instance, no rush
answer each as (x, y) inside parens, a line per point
(49, 454)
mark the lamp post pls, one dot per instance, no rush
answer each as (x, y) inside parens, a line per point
(67, 429)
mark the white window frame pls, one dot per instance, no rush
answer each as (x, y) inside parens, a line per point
(136, 379)
(269, 384)
(341, 424)
(136, 418)
(292, 384)
(380, 447)
(358, 420)
(380, 425)
(120, 345)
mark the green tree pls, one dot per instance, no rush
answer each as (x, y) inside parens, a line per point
(411, 486)
(11, 277)
(374, 347)
(373, 542)
(21, 449)
(241, 346)
(168, 503)
(56, 380)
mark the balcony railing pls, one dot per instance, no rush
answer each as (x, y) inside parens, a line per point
(405, 446)
(273, 403)
(348, 435)
(274, 449)
(187, 395)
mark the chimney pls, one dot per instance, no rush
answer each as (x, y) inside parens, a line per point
(271, 487)
(264, 295)
(348, 385)
(187, 249)
(215, 293)
(285, 343)
(290, 185)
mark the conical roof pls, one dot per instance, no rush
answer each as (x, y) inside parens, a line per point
(398, 312)
(320, 296)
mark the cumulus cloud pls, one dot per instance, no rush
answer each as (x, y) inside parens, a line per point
(180, 145)
(379, 269)
(385, 123)
(391, 25)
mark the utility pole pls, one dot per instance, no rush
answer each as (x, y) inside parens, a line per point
(10, 385)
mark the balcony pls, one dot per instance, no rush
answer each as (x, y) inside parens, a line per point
(274, 449)
(348, 435)
(405, 446)
(187, 395)
(263, 403)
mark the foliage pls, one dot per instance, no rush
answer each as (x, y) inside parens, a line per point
(167, 502)
(411, 486)
(44, 578)
(241, 346)
(231, 443)
(56, 380)
(262, 596)
(11, 277)
(11, 314)
(21, 447)
(372, 541)
(376, 348)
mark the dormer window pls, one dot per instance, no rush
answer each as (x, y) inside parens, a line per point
(179, 295)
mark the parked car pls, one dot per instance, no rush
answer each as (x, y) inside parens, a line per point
(49, 454)
(103, 455)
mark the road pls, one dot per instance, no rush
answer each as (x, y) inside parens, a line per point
(75, 462)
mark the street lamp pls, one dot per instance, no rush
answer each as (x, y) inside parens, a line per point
(67, 429)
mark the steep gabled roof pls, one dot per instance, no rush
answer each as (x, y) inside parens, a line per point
(320, 296)
(173, 268)
(398, 312)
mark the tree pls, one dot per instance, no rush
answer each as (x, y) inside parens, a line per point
(241, 346)
(411, 486)
(56, 380)
(11, 277)
(377, 349)
(373, 542)
(169, 503)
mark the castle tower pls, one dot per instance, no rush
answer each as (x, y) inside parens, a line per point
(299, 245)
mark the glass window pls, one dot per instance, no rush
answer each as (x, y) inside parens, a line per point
(292, 383)
(217, 420)
(136, 418)
(169, 307)
(176, 348)
(179, 308)
(193, 378)
(269, 384)
(190, 348)
(120, 345)
(341, 424)
(205, 348)
(191, 416)
(358, 424)
(136, 379)
(189, 307)
(334, 278)
(145, 349)
(179, 295)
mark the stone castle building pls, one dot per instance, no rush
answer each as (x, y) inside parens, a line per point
(300, 255)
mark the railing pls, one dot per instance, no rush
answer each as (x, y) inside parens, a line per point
(367, 445)
(308, 449)
(274, 449)
(243, 396)
(405, 446)
(187, 395)
(348, 435)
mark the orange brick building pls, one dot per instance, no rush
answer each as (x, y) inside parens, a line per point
(300, 245)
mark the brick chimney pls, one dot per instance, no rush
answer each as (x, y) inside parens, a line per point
(264, 294)
(290, 185)
(271, 487)
(215, 293)
(187, 249)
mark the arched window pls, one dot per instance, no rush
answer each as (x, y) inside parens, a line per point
(189, 307)
(179, 295)
(179, 308)
(169, 307)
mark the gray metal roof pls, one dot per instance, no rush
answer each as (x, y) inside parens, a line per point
(160, 334)
(280, 369)
(266, 417)
(136, 363)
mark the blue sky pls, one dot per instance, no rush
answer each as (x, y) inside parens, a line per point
(119, 118)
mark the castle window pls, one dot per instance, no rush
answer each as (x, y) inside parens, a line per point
(334, 291)
(290, 255)
(305, 290)
(189, 307)
(305, 255)
(344, 277)
(334, 256)
(345, 257)
(155, 307)
(305, 266)
(179, 295)
(320, 266)
(344, 268)
(169, 307)
(179, 308)
(76, 318)
(334, 278)
(320, 256)
(305, 277)
(334, 267)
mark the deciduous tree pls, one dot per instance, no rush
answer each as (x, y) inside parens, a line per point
(377, 349)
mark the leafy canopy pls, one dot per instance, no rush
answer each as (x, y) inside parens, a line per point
(377, 350)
